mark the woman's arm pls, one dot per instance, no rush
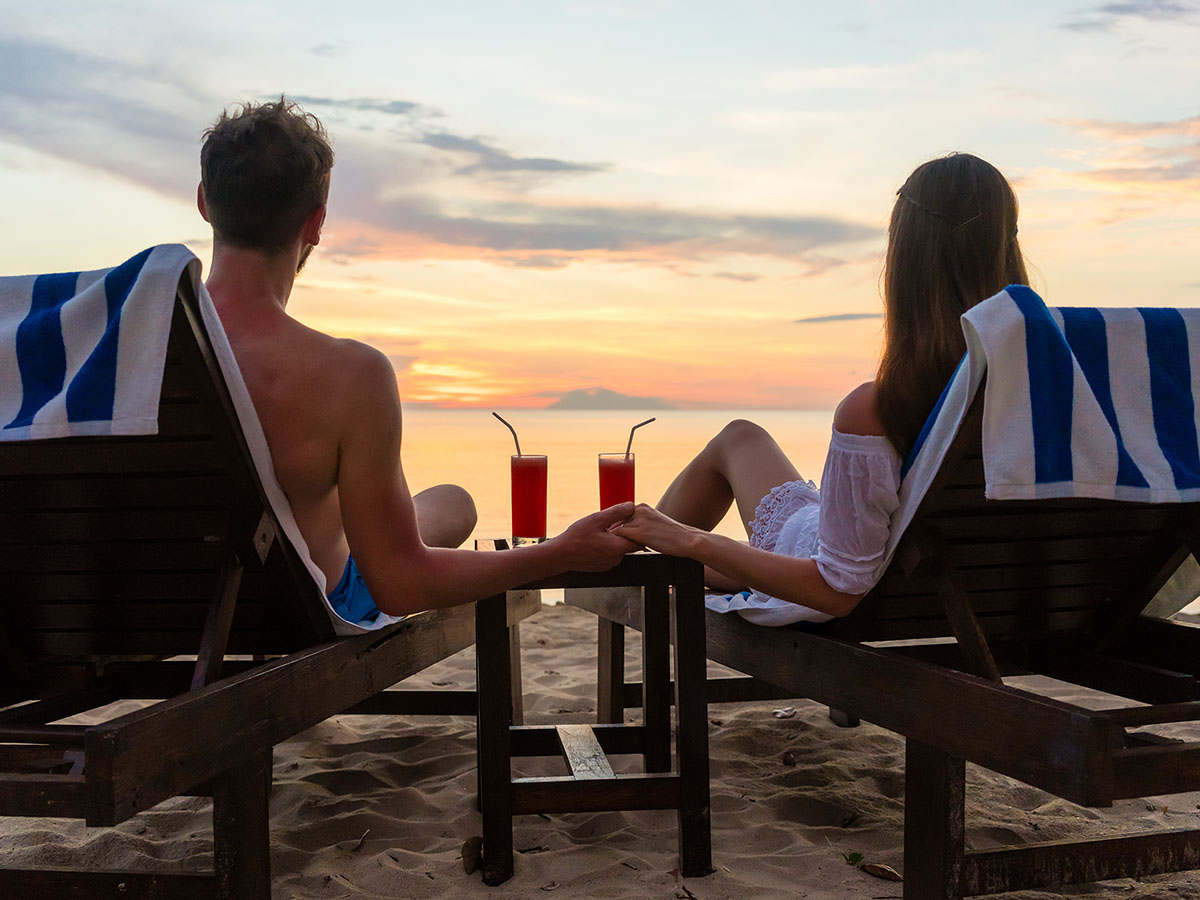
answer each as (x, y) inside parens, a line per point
(796, 580)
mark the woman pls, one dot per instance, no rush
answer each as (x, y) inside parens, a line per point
(952, 242)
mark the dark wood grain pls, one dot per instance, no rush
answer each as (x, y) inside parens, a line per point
(934, 793)
(610, 672)
(1072, 862)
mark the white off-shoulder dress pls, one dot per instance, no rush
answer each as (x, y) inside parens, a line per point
(844, 526)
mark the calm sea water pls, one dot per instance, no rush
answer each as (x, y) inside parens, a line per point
(470, 448)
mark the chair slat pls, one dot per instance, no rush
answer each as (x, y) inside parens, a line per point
(110, 546)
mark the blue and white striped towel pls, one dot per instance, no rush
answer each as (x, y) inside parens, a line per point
(82, 353)
(1078, 402)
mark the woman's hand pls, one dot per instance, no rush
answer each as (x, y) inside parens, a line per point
(590, 545)
(790, 578)
(650, 528)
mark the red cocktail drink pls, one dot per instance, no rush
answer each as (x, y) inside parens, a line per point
(616, 479)
(528, 497)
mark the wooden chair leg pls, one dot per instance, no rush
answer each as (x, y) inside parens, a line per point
(843, 719)
(934, 787)
(610, 672)
(241, 832)
(494, 686)
(691, 739)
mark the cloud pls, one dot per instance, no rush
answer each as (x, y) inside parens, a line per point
(1106, 16)
(405, 192)
(524, 227)
(404, 108)
(489, 158)
(540, 261)
(1120, 214)
(1134, 131)
(484, 158)
(1144, 153)
(140, 124)
(328, 48)
(837, 317)
(737, 276)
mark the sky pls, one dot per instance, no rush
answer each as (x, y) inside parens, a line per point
(684, 201)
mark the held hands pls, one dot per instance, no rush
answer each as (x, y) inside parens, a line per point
(650, 528)
(590, 545)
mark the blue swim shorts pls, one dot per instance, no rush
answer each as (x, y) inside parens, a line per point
(351, 600)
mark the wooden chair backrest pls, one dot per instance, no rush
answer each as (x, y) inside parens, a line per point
(1030, 569)
(111, 546)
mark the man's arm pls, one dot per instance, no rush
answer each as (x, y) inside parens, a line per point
(404, 575)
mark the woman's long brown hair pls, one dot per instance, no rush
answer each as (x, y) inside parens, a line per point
(952, 242)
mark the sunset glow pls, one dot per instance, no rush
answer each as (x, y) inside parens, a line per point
(665, 199)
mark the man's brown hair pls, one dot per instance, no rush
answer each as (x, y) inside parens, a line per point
(264, 170)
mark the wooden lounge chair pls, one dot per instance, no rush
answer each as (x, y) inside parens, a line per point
(1056, 587)
(119, 555)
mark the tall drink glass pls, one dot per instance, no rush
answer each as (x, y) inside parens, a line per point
(528, 499)
(616, 479)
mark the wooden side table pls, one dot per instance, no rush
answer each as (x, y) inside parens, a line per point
(669, 584)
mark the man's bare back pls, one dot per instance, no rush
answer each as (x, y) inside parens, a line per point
(329, 406)
(302, 383)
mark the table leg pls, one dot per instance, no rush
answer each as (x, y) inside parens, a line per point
(691, 735)
(610, 672)
(656, 674)
(494, 690)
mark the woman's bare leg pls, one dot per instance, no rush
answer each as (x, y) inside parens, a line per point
(445, 515)
(740, 465)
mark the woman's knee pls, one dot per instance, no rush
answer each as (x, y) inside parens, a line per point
(738, 434)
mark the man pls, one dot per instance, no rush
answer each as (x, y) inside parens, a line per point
(329, 406)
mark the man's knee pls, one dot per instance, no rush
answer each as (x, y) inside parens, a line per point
(455, 503)
(446, 515)
(461, 504)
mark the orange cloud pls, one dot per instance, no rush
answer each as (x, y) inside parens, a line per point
(1160, 156)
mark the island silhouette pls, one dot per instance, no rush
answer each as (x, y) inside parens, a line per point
(603, 398)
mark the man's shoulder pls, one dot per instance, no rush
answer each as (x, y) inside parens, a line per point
(344, 356)
(365, 372)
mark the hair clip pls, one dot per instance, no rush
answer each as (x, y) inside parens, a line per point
(922, 207)
(966, 223)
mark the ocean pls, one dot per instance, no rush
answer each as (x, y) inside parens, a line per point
(470, 448)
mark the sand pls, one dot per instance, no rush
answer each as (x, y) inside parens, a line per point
(379, 808)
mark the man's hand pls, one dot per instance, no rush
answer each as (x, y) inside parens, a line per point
(590, 546)
(651, 528)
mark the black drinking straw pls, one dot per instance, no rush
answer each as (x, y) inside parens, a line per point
(628, 446)
(514, 431)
